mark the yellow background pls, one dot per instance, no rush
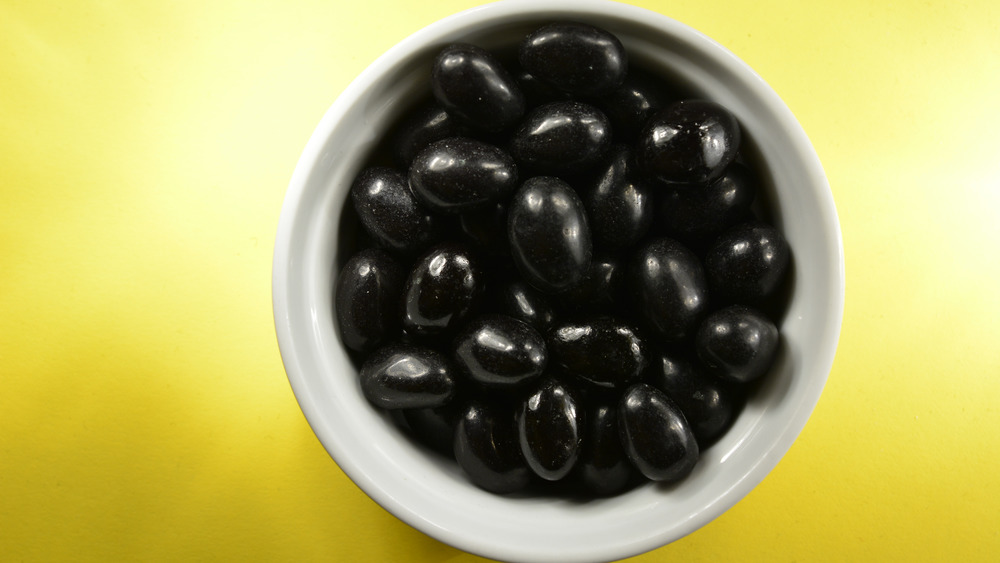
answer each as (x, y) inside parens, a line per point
(145, 148)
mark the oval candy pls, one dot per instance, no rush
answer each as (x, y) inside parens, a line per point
(469, 82)
(656, 436)
(458, 174)
(367, 299)
(549, 235)
(401, 376)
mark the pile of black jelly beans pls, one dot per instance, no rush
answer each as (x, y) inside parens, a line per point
(562, 280)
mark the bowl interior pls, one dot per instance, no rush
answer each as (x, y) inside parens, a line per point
(430, 493)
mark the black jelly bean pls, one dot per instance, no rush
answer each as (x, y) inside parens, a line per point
(633, 103)
(737, 343)
(470, 83)
(401, 376)
(522, 301)
(669, 288)
(423, 127)
(459, 174)
(708, 403)
(441, 290)
(367, 299)
(698, 213)
(603, 467)
(390, 214)
(602, 350)
(688, 142)
(747, 262)
(500, 352)
(561, 137)
(656, 436)
(487, 448)
(619, 204)
(575, 57)
(550, 429)
(549, 236)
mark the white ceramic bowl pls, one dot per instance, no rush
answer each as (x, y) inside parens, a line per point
(433, 495)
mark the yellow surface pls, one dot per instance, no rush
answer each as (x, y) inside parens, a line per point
(145, 148)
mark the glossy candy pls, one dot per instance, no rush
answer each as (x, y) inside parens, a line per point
(390, 214)
(737, 343)
(619, 204)
(513, 345)
(549, 236)
(470, 83)
(487, 448)
(699, 213)
(656, 436)
(423, 127)
(747, 262)
(669, 288)
(367, 299)
(708, 403)
(561, 136)
(441, 290)
(500, 352)
(458, 174)
(688, 142)
(521, 301)
(631, 105)
(401, 376)
(550, 430)
(575, 57)
(603, 350)
(603, 467)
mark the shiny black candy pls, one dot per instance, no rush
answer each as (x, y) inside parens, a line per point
(708, 403)
(459, 174)
(603, 350)
(425, 126)
(561, 137)
(737, 343)
(367, 299)
(522, 301)
(631, 105)
(500, 352)
(603, 467)
(689, 142)
(470, 83)
(668, 285)
(390, 214)
(748, 262)
(575, 57)
(549, 235)
(619, 204)
(441, 290)
(550, 430)
(401, 376)
(487, 448)
(699, 213)
(656, 436)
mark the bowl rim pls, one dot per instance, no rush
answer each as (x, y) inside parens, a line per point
(313, 153)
